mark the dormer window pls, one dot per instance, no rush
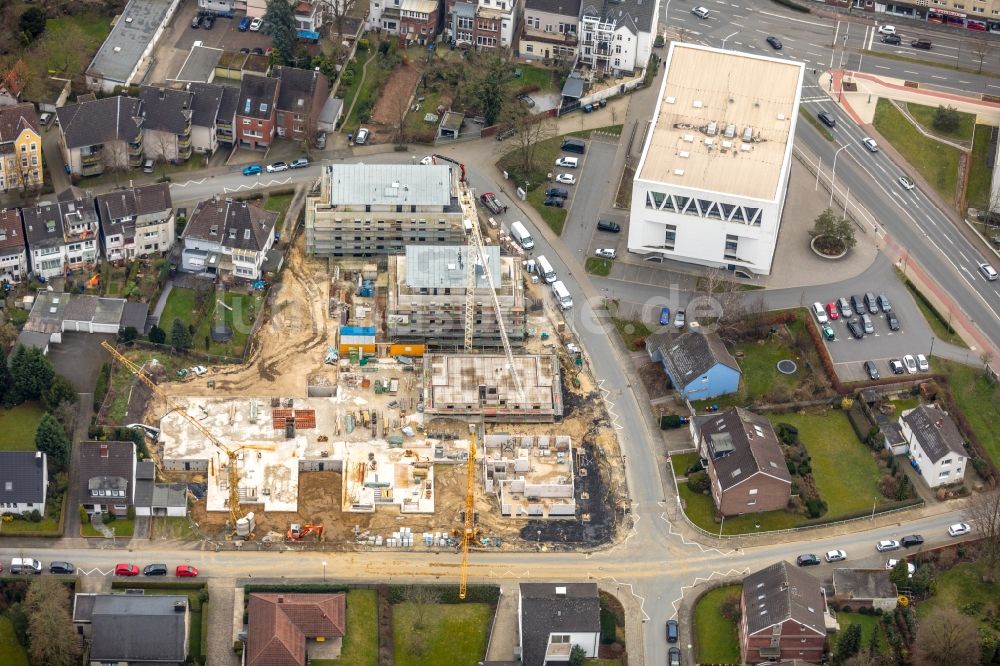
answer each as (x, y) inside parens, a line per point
(232, 234)
(214, 230)
(263, 107)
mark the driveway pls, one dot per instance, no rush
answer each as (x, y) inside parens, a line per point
(78, 358)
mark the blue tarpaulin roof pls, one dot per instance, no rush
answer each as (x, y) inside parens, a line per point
(308, 34)
(357, 330)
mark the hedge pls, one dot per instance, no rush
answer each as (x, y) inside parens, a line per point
(448, 594)
(609, 633)
(159, 584)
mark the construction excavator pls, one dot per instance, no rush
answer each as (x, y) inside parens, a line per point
(297, 532)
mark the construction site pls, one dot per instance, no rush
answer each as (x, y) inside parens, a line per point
(336, 432)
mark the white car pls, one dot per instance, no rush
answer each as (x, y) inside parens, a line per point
(870, 144)
(427, 160)
(568, 162)
(276, 167)
(922, 364)
(256, 24)
(905, 183)
(836, 556)
(566, 179)
(887, 30)
(887, 545)
(700, 12)
(911, 568)
(605, 252)
(572, 348)
(199, 370)
(910, 363)
(820, 313)
(361, 136)
(680, 319)
(958, 529)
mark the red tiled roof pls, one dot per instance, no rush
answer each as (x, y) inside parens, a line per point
(279, 624)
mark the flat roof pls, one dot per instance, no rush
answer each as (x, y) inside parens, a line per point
(706, 85)
(459, 380)
(443, 266)
(199, 65)
(390, 184)
(121, 52)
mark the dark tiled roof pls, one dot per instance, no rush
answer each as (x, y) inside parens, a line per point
(100, 121)
(780, 592)
(560, 7)
(741, 444)
(25, 472)
(43, 226)
(237, 224)
(637, 15)
(138, 628)
(692, 354)
(279, 624)
(166, 109)
(11, 233)
(207, 99)
(106, 470)
(15, 119)
(935, 431)
(134, 314)
(145, 200)
(297, 88)
(230, 101)
(145, 474)
(258, 95)
(863, 584)
(545, 611)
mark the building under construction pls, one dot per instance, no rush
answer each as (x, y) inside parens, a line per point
(427, 297)
(531, 477)
(365, 210)
(484, 386)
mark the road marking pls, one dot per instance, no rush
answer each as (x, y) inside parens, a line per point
(818, 55)
(189, 182)
(789, 18)
(882, 169)
(738, 25)
(906, 71)
(935, 76)
(882, 67)
(990, 85)
(964, 257)
(694, 33)
(948, 238)
(699, 579)
(965, 82)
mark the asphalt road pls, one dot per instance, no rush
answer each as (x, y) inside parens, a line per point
(590, 196)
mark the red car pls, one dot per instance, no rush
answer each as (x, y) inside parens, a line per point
(186, 571)
(123, 569)
(832, 312)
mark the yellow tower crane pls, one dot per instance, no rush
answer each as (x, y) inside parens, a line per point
(231, 452)
(469, 531)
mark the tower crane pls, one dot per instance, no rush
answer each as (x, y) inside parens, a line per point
(469, 529)
(232, 453)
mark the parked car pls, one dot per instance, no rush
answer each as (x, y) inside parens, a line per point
(505, 134)
(320, 140)
(828, 332)
(208, 22)
(664, 316)
(299, 163)
(45, 118)
(361, 137)
(887, 29)
(807, 560)
(897, 367)
(566, 179)
(911, 568)
(858, 303)
(199, 370)
(276, 167)
(891, 39)
(871, 303)
(61, 568)
(911, 540)
(905, 183)
(196, 22)
(855, 329)
(836, 556)
(871, 370)
(568, 162)
(672, 631)
(922, 364)
(252, 170)
(608, 225)
(831, 311)
(924, 44)
(870, 144)
(845, 307)
(910, 363)
(819, 312)
(244, 24)
(886, 545)
(867, 324)
(700, 12)
(680, 319)
(186, 571)
(256, 24)
(892, 320)
(674, 657)
(557, 192)
(154, 570)
(257, 51)
(774, 42)
(605, 252)
(884, 304)
(555, 202)
(958, 529)
(245, 51)
(123, 569)
(827, 119)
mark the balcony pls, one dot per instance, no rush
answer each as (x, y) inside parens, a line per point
(91, 158)
(94, 169)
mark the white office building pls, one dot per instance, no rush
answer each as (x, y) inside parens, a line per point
(710, 186)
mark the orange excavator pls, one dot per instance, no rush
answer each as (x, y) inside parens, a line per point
(297, 532)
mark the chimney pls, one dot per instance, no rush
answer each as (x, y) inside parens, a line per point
(104, 450)
(281, 600)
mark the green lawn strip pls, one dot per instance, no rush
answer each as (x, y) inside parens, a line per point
(701, 511)
(814, 121)
(18, 425)
(598, 662)
(122, 526)
(902, 405)
(360, 647)
(163, 527)
(203, 643)
(930, 63)
(240, 319)
(977, 190)
(717, 638)
(869, 624)
(960, 586)
(414, 121)
(598, 266)
(554, 217)
(631, 331)
(12, 653)
(939, 325)
(925, 116)
(452, 634)
(682, 462)
(608, 129)
(278, 203)
(979, 401)
(27, 528)
(180, 305)
(936, 162)
(846, 474)
(542, 77)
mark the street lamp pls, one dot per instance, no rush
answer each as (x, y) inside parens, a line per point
(833, 173)
(324, 571)
(931, 352)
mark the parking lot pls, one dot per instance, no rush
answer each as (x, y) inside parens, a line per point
(594, 186)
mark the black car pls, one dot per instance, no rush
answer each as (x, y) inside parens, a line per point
(557, 192)
(912, 540)
(924, 44)
(891, 39)
(854, 326)
(774, 42)
(155, 570)
(827, 119)
(555, 202)
(808, 560)
(208, 22)
(245, 51)
(858, 303)
(871, 370)
(671, 631)
(608, 225)
(62, 568)
(674, 657)
(872, 302)
(892, 320)
(884, 304)
(196, 22)
(257, 51)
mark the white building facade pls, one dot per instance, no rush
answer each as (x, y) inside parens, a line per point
(936, 445)
(711, 184)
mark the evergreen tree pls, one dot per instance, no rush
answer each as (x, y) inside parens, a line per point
(59, 391)
(51, 439)
(279, 23)
(848, 644)
(180, 336)
(157, 335)
(32, 373)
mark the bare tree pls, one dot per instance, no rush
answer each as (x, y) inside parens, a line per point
(980, 49)
(983, 511)
(114, 157)
(529, 131)
(945, 636)
(422, 597)
(400, 106)
(339, 10)
(50, 628)
(162, 148)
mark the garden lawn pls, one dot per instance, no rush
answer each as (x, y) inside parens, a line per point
(630, 332)
(12, 653)
(240, 319)
(869, 624)
(979, 401)
(846, 474)
(682, 462)
(452, 634)
(977, 190)
(598, 266)
(717, 640)
(960, 586)
(700, 510)
(925, 116)
(542, 77)
(18, 425)
(93, 25)
(360, 646)
(122, 526)
(180, 305)
(278, 203)
(936, 162)
(162, 527)
(414, 121)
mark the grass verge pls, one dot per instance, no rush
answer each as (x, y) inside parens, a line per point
(924, 115)
(631, 331)
(598, 266)
(936, 162)
(939, 325)
(360, 646)
(682, 462)
(278, 203)
(180, 305)
(123, 527)
(869, 624)
(450, 634)
(608, 129)
(717, 638)
(12, 653)
(18, 425)
(977, 190)
(554, 217)
(814, 121)
(978, 399)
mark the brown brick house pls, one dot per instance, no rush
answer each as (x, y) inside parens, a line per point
(290, 629)
(745, 463)
(418, 20)
(301, 97)
(783, 616)
(256, 112)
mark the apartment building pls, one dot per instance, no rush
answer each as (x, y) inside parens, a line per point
(427, 296)
(486, 24)
(20, 148)
(550, 30)
(300, 99)
(365, 210)
(617, 37)
(13, 252)
(81, 228)
(166, 126)
(101, 134)
(136, 222)
(227, 239)
(255, 112)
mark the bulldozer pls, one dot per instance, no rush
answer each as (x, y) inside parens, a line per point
(297, 532)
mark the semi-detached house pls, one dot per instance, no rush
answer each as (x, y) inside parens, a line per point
(20, 148)
(549, 30)
(226, 238)
(13, 252)
(256, 111)
(617, 37)
(136, 222)
(166, 126)
(62, 235)
(101, 134)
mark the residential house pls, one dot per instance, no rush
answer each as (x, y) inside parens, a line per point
(784, 615)
(616, 37)
(460, 21)
(134, 629)
(12, 83)
(698, 364)
(418, 20)
(486, 24)
(136, 222)
(80, 228)
(212, 115)
(20, 148)
(227, 239)
(166, 127)
(24, 479)
(101, 134)
(865, 588)
(935, 445)
(745, 463)
(13, 252)
(553, 617)
(224, 7)
(107, 477)
(286, 629)
(549, 31)
(158, 499)
(43, 232)
(255, 112)
(302, 94)
(309, 15)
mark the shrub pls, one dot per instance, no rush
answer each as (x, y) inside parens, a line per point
(804, 468)
(35, 516)
(608, 631)
(946, 119)
(788, 433)
(670, 421)
(815, 507)
(698, 482)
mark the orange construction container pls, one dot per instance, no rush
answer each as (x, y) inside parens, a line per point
(406, 350)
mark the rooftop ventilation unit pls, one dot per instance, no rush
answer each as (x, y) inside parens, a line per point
(712, 128)
(689, 138)
(671, 100)
(730, 131)
(747, 133)
(684, 154)
(746, 147)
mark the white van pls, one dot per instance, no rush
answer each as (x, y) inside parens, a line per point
(25, 565)
(544, 269)
(521, 235)
(562, 295)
